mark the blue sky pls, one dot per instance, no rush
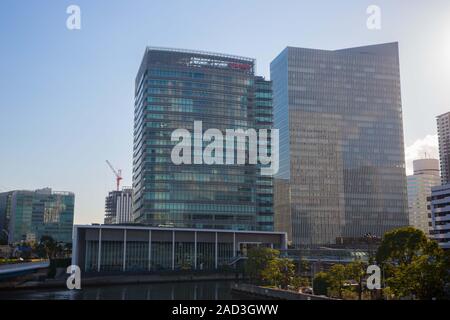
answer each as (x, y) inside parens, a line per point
(66, 97)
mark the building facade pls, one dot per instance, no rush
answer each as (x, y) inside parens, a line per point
(29, 215)
(118, 206)
(4, 220)
(342, 167)
(137, 249)
(263, 119)
(426, 175)
(174, 88)
(439, 203)
(443, 127)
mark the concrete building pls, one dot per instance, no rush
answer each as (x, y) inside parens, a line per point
(118, 206)
(342, 167)
(439, 202)
(29, 215)
(175, 88)
(109, 248)
(443, 127)
(426, 175)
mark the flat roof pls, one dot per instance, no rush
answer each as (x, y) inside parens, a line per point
(223, 55)
(442, 115)
(108, 226)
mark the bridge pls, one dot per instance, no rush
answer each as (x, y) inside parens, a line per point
(8, 271)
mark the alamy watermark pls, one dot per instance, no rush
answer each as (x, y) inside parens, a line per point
(74, 280)
(374, 20)
(374, 279)
(228, 150)
(73, 21)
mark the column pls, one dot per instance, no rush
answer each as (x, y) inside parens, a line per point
(173, 249)
(74, 246)
(195, 250)
(216, 254)
(284, 241)
(99, 257)
(149, 250)
(234, 249)
(124, 266)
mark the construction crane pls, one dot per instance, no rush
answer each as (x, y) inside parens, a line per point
(117, 173)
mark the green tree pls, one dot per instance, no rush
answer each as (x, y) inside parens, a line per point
(321, 283)
(257, 260)
(337, 277)
(401, 245)
(414, 266)
(280, 272)
(356, 270)
(299, 282)
(432, 272)
(304, 267)
(48, 247)
(425, 277)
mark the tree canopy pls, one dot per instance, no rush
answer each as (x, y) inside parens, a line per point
(414, 266)
(401, 245)
(257, 260)
(265, 266)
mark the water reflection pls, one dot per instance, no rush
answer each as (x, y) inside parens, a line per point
(207, 290)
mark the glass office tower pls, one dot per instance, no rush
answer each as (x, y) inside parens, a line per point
(174, 88)
(342, 170)
(29, 215)
(263, 119)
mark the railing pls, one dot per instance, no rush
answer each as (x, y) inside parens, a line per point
(236, 260)
(24, 266)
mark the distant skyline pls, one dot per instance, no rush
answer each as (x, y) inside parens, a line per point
(67, 96)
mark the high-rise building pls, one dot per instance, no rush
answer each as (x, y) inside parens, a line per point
(29, 215)
(426, 175)
(443, 127)
(4, 220)
(174, 88)
(439, 201)
(118, 206)
(342, 167)
(440, 215)
(263, 119)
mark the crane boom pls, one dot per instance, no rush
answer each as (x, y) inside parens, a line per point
(117, 173)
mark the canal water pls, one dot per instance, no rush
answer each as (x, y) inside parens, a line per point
(204, 290)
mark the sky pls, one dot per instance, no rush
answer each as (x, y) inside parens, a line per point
(66, 96)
